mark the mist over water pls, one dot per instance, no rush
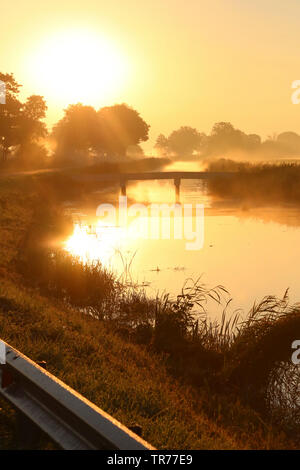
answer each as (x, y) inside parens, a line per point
(252, 253)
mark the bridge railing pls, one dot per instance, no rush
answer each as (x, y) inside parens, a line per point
(44, 403)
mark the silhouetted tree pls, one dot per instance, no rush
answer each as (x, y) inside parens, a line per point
(110, 131)
(182, 142)
(9, 116)
(33, 112)
(161, 144)
(119, 127)
(225, 138)
(253, 141)
(21, 125)
(76, 133)
(290, 142)
(185, 141)
(30, 152)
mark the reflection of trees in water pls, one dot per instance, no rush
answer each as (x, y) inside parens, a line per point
(282, 215)
(286, 216)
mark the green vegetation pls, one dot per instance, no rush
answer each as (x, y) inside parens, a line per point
(159, 363)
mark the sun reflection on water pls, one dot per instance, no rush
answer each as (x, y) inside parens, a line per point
(92, 243)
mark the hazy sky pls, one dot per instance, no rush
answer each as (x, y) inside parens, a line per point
(185, 62)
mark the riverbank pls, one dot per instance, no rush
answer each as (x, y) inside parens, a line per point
(255, 184)
(130, 381)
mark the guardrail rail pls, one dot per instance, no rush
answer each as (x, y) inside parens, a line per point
(45, 403)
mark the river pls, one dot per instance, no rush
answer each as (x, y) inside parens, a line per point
(252, 252)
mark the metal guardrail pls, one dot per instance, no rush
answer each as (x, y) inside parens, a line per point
(44, 403)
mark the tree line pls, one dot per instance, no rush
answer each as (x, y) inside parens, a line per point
(82, 132)
(21, 124)
(85, 133)
(225, 140)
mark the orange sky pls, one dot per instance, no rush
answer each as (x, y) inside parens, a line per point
(192, 62)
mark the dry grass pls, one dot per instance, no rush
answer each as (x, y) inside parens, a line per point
(257, 183)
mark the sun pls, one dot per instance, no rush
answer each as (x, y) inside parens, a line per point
(79, 66)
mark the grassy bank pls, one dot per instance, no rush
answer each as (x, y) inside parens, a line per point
(131, 359)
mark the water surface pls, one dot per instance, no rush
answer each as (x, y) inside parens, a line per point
(253, 252)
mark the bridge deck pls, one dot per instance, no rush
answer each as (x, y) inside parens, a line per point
(154, 175)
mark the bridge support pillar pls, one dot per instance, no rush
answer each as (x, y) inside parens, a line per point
(123, 187)
(177, 182)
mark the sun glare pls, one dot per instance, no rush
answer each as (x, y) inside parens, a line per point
(97, 244)
(80, 66)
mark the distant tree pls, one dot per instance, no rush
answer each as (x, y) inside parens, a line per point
(253, 141)
(185, 141)
(290, 141)
(10, 114)
(161, 144)
(224, 138)
(119, 127)
(76, 133)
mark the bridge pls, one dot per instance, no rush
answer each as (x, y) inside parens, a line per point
(176, 176)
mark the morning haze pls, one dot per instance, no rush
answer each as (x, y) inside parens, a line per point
(191, 63)
(149, 227)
